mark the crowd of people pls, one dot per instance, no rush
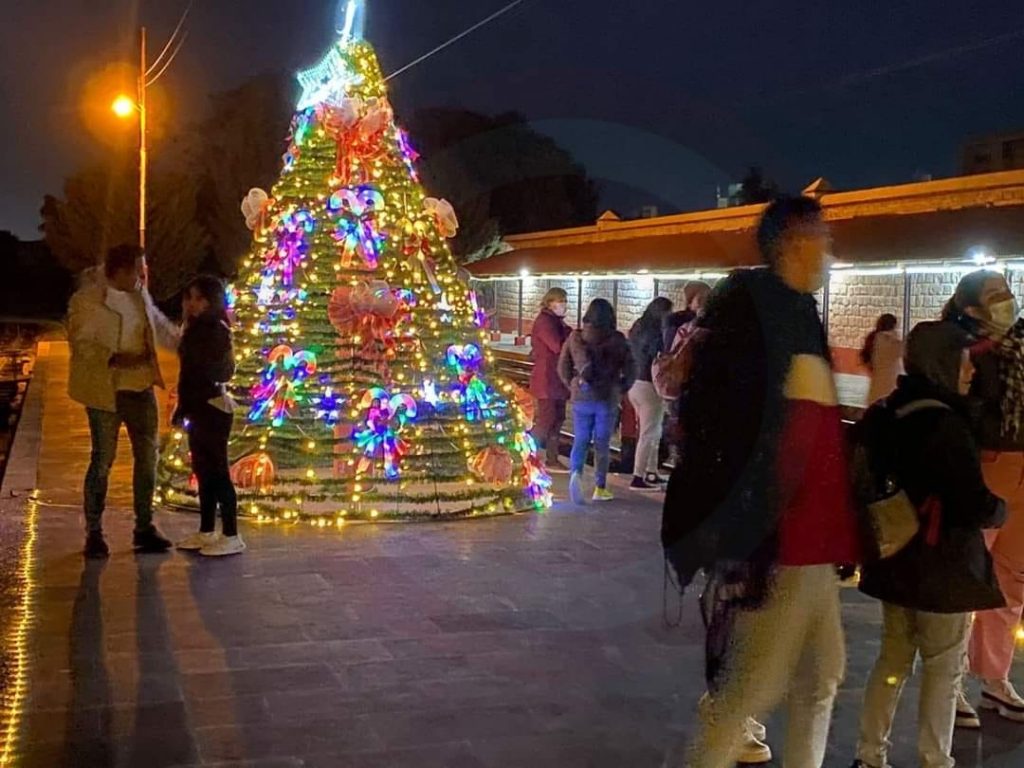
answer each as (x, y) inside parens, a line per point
(114, 329)
(772, 503)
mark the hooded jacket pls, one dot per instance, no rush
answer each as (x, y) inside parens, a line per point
(597, 367)
(937, 458)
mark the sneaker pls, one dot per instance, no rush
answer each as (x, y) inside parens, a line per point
(756, 730)
(150, 541)
(96, 546)
(197, 541)
(1001, 697)
(223, 546)
(653, 478)
(639, 484)
(603, 494)
(753, 751)
(576, 489)
(556, 467)
(966, 715)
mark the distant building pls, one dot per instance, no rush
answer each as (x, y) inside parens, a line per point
(994, 153)
(733, 196)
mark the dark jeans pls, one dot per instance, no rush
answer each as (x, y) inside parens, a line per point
(208, 433)
(593, 420)
(547, 426)
(138, 412)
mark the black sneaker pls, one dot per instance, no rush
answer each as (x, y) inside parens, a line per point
(639, 484)
(150, 541)
(95, 546)
(652, 478)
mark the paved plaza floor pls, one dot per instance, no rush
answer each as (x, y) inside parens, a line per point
(532, 641)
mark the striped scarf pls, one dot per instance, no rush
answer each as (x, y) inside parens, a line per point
(1011, 375)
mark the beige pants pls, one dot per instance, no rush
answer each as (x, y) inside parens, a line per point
(650, 413)
(791, 648)
(940, 640)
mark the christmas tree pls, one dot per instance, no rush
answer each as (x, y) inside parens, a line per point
(364, 384)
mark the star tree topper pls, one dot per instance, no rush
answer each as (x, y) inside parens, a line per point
(327, 80)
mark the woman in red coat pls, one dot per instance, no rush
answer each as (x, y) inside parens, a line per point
(549, 334)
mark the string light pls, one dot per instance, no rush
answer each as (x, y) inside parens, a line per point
(364, 378)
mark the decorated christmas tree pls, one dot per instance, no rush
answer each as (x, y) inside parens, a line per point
(364, 384)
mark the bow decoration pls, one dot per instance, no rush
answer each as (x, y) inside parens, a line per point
(254, 208)
(444, 216)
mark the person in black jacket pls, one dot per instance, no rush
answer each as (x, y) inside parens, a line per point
(929, 588)
(646, 341)
(205, 410)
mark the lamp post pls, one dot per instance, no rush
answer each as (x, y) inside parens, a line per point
(124, 107)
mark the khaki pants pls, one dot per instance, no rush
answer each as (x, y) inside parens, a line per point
(793, 648)
(940, 639)
(650, 412)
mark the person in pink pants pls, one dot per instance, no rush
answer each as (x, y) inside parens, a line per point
(985, 306)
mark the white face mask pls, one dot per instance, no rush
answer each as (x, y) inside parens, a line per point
(1004, 314)
(560, 309)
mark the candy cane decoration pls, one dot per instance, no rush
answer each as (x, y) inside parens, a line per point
(281, 387)
(379, 437)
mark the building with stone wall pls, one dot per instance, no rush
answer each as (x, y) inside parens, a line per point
(899, 249)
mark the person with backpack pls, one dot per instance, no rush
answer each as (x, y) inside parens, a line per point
(761, 500)
(597, 366)
(985, 307)
(647, 342)
(882, 355)
(695, 296)
(547, 338)
(919, 452)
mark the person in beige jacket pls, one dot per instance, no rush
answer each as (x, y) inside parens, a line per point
(113, 329)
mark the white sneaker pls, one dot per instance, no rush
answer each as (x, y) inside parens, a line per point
(1000, 696)
(754, 751)
(225, 545)
(576, 489)
(966, 715)
(755, 729)
(197, 541)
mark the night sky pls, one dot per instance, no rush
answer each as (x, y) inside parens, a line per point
(661, 99)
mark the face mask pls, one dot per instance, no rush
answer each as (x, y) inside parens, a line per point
(560, 309)
(1004, 314)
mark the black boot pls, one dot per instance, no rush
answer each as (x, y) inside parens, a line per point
(95, 546)
(150, 540)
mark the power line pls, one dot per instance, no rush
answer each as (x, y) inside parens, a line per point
(170, 61)
(455, 39)
(170, 42)
(888, 69)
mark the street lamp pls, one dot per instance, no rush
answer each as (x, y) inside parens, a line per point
(124, 107)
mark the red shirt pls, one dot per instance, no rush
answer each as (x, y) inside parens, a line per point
(818, 522)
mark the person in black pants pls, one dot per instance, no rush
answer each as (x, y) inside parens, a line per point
(205, 411)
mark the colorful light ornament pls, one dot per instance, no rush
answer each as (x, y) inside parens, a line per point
(409, 155)
(328, 407)
(470, 390)
(379, 437)
(281, 388)
(479, 314)
(293, 230)
(356, 232)
(535, 476)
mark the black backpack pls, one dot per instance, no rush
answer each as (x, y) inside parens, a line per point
(889, 519)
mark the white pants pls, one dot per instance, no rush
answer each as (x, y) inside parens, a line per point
(791, 647)
(650, 412)
(940, 639)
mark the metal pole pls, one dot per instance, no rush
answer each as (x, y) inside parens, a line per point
(142, 138)
(519, 322)
(907, 291)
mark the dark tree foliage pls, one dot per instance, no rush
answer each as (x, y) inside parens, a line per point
(755, 188)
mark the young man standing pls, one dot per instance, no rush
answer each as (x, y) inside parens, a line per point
(113, 328)
(761, 500)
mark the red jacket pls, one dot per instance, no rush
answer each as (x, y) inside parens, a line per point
(549, 334)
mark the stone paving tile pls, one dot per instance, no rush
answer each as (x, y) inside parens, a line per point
(519, 642)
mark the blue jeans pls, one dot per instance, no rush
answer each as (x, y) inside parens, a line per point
(592, 420)
(138, 412)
